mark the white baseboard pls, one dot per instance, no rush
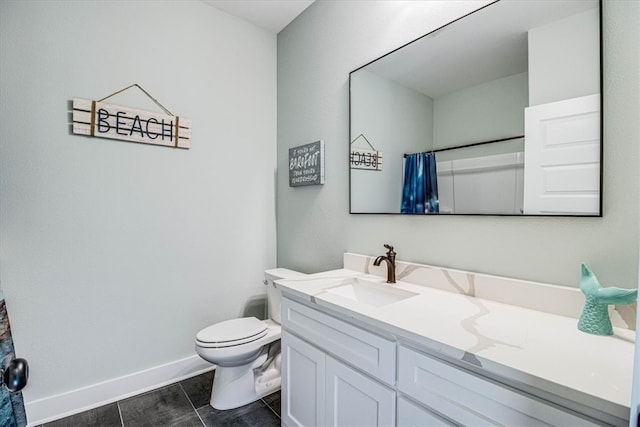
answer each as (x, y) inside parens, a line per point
(72, 402)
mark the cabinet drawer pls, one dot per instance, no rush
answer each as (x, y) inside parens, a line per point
(364, 350)
(412, 415)
(470, 399)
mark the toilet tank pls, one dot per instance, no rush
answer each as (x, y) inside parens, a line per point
(273, 293)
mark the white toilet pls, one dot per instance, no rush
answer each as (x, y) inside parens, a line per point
(246, 351)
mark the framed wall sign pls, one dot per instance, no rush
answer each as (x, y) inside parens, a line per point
(306, 164)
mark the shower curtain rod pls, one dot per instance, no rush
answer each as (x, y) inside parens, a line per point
(468, 145)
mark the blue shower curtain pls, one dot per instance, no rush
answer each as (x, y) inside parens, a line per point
(12, 413)
(420, 187)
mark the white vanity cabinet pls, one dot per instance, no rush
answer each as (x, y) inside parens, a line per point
(338, 374)
(321, 385)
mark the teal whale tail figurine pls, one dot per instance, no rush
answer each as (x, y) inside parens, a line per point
(595, 315)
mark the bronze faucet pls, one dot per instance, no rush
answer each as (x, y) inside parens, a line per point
(390, 259)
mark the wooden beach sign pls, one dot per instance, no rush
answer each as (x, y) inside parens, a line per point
(103, 120)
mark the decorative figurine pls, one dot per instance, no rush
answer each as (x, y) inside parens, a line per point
(595, 315)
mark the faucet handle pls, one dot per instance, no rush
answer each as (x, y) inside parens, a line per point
(388, 246)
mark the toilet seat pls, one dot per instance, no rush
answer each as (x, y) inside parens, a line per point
(232, 333)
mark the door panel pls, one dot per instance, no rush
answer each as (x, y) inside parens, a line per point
(562, 157)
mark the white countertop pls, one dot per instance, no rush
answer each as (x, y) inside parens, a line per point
(540, 350)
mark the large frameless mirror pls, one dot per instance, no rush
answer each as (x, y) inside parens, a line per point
(496, 113)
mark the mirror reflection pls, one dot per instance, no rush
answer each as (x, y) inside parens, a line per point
(497, 113)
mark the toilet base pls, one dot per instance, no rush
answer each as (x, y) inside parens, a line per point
(240, 385)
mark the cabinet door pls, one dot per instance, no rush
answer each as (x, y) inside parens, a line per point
(353, 399)
(303, 387)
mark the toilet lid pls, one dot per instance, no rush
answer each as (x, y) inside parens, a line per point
(233, 331)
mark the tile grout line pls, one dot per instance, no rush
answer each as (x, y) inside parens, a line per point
(120, 413)
(191, 403)
(271, 409)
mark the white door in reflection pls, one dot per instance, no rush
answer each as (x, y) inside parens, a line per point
(562, 152)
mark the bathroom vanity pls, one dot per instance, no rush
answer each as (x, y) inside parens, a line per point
(445, 347)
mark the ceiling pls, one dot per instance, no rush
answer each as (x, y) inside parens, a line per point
(482, 47)
(271, 15)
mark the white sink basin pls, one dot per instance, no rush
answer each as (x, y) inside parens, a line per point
(370, 293)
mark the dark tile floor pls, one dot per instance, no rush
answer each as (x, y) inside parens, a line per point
(184, 404)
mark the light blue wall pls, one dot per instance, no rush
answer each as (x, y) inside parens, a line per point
(563, 59)
(316, 54)
(396, 120)
(115, 254)
(484, 112)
